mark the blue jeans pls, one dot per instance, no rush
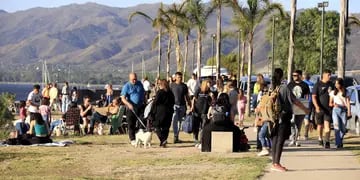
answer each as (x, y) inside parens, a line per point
(263, 133)
(339, 121)
(55, 123)
(296, 123)
(179, 113)
(21, 128)
(64, 103)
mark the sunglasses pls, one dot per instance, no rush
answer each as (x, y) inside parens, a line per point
(295, 75)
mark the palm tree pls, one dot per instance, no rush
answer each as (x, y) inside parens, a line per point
(156, 23)
(218, 4)
(172, 21)
(253, 14)
(244, 30)
(197, 14)
(344, 21)
(291, 40)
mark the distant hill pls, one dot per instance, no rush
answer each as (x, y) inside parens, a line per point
(100, 37)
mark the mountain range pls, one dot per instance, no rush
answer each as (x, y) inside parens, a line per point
(98, 37)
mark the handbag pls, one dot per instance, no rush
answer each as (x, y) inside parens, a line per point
(187, 124)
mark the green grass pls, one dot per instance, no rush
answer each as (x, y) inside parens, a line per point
(111, 157)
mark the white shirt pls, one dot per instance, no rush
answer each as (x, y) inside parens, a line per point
(147, 85)
(192, 85)
(35, 99)
(339, 99)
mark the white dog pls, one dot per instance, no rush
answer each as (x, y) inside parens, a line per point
(144, 138)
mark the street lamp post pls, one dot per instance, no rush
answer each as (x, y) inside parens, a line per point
(193, 59)
(213, 36)
(273, 45)
(238, 69)
(322, 5)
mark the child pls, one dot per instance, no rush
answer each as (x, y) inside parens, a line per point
(20, 125)
(45, 111)
(241, 104)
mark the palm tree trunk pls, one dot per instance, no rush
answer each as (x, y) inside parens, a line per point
(159, 55)
(186, 43)
(248, 93)
(242, 59)
(168, 59)
(198, 57)
(291, 41)
(218, 41)
(178, 52)
(341, 51)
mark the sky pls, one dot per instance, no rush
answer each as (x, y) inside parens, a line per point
(18, 5)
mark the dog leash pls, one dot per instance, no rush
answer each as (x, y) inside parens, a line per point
(138, 118)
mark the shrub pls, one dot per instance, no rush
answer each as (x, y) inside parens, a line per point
(6, 117)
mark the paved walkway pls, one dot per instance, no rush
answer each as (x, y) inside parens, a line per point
(313, 162)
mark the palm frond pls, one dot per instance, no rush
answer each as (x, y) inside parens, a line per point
(141, 14)
(353, 21)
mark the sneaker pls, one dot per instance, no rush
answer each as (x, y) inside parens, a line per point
(321, 143)
(278, 168)
(199, 147)
(327, 145)
(297, 144)
(163, 144)
(264, 152)
(176, 140)
(292, 143)
(133, 143)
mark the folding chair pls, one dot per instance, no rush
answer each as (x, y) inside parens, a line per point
(72, 120)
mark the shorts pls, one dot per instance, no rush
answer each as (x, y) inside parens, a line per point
(322, 116)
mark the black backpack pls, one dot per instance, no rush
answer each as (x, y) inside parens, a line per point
(219, 113)
(202, 103)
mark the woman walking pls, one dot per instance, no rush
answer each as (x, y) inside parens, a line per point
(162, 110)
(282, 127)
(200, 108)
(341, 110)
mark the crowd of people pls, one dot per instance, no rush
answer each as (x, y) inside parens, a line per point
(212, 105)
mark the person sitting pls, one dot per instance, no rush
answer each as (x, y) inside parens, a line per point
(20, 125)
(85, 113)
(39, 130)
(220, 122)
(56, 123)
(112, 111)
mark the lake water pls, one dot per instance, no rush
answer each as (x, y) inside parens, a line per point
(21, 91)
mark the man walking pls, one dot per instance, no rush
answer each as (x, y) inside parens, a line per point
(133, 95)
(181, 94)
(193, 85)
(320, 97)
(301, 91)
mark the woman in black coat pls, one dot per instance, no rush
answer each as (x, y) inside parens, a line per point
(162, 111)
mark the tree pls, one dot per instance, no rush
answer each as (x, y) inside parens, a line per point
(253, 14)
(156, 23)
(172, 21)
(243, 27)
(218, 4)
(197, 14)
(343, 25)
(291, 40)
(307, 42)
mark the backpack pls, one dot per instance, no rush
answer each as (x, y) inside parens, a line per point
(219, 113)
(202, 103)
(269, 107)
(187, 124)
